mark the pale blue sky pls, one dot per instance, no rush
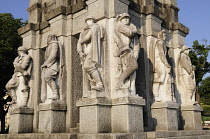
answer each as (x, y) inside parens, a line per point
(194, 14)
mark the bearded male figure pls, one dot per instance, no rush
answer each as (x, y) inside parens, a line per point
(51, 69)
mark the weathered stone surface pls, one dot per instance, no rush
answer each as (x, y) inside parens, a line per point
(21, 120)
(191, 117)
(95, 115)
(165, 116)
(127, 117)
(52, 118)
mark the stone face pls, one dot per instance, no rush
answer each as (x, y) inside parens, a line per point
(22, 120)
(165, 116)
(191, 117)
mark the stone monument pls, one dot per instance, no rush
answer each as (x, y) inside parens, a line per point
(106, 69)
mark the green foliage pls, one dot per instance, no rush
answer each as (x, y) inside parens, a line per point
(10, 40)
(206, 110)
(198, 55)
(204, 90)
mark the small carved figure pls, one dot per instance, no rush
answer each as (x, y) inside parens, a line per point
(126, 51)
(162, 70)
(89, 48)
(186, 77)
(52, 66)
(17, 86)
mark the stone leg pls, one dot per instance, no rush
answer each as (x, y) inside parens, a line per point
(52, 118)
(21, 120)
(95, 115)
(191, 117)
(165, 116)
(127, 115)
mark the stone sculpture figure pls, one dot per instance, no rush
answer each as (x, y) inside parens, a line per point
(52, 69)
(18, 87)
(89, 48)
(126, 52)
(186, 77)
(161, 70)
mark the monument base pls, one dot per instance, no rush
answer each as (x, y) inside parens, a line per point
(127, 115)
(165, 116)
(95, 115)
(52, 118)
(191, 117)
(21, 120)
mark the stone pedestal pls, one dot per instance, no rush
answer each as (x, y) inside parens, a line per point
(95, 115)
(21, 120)
(191, 117)
(127, 115)
(52, 118)
(165, 116)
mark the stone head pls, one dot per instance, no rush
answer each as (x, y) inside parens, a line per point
(21, 50)
(185, 49)
(90, 20)
(125, 18)
(162, 35)
(51, 37)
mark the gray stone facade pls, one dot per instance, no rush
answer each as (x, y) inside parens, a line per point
(109, 114)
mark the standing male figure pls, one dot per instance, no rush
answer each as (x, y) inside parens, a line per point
(161, 69)
(186, 77)
(20, 78)
(50, 68)
(89, 48)
(127, 50)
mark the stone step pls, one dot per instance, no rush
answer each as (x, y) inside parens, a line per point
(202, 134)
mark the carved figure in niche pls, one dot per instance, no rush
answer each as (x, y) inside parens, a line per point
(162, 79)
(186, 77)
(126, 51)
(18, 87)
(89, 48)
(52, 69)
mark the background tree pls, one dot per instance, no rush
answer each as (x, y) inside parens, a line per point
(198, 55)
(10, 40)
(204, 90)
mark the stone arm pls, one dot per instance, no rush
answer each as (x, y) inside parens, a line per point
(125, 30)
(53, 55)
(86, 38)
(136, 47)
(161, 53)
(186, 63)
(79, 45)
(21, 67)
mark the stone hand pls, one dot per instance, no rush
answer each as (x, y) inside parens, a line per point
(43, 66)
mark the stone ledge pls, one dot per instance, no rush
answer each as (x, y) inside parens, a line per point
(129, 101)
(55, 12)
(93, 101)
(22, 110)
(191, 108)
(170, 105)
(36, 5)
(54, 107)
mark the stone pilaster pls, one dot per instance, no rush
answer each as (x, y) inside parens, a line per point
(95, 115)
(127, 115)
(191, 117)
(21, 120)
(165, 116)
(52, 118)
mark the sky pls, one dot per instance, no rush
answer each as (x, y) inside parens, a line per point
(195, 14)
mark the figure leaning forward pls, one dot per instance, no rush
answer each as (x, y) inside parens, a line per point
(17, 87)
